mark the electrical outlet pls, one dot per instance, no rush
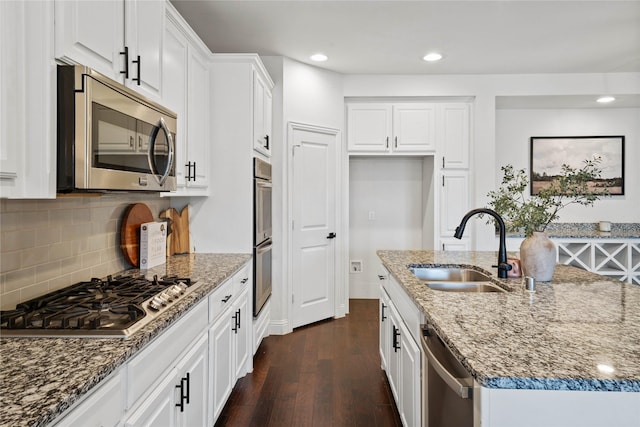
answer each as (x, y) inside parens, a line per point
(356, 266)
(372, 215)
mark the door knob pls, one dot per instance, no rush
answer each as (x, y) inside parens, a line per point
(331, 236)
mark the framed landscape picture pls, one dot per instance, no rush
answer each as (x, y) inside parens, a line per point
(549, 153)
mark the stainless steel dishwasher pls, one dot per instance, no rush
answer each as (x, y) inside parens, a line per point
(447, 395)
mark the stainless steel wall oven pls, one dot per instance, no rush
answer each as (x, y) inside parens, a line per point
(262, 243)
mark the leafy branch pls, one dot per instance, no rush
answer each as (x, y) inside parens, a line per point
(572, 186)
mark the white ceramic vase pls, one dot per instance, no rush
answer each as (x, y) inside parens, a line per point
(538, 256)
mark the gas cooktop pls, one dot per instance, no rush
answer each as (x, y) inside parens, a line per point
(115, 307)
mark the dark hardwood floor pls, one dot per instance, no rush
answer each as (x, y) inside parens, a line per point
(325, 374)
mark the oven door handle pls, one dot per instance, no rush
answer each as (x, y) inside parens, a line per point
(264, 184)
(264, 248)
(461, 389)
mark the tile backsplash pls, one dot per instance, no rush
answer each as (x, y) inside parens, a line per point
(49, 244)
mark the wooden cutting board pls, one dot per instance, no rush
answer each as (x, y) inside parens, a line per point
(135, 215)
(178, 231)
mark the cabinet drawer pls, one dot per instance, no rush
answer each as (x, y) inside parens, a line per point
(242, 279)
(104, 407)
(148, 366)
(220, 299)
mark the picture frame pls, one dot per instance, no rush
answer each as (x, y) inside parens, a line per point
(549, 153)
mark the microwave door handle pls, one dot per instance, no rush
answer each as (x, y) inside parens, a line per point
(152, 143)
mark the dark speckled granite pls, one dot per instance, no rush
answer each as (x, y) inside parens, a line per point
(41, 377)
(553, 339)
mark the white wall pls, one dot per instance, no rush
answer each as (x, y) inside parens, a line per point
(484, 89)
(309, 95)
(391, 190)
(514, 127)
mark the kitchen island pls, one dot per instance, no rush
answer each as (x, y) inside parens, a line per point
(578, 334)
(40, 378)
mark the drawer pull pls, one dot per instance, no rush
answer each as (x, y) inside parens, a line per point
(227, 298)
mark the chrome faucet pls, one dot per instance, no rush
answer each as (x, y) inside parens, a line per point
(502, 266)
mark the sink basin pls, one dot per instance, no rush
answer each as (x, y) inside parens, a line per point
(449, 274)
(464, 286)
(455, 279)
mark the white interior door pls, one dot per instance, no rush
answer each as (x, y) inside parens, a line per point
(314, 224)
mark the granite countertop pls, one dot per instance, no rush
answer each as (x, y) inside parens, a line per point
(578, 230)
(41, 377)
(562, 337)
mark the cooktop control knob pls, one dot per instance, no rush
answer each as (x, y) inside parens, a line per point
(156, 303)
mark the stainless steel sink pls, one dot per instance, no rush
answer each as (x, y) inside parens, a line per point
(449, 274)
(464, 286)
(455, 279)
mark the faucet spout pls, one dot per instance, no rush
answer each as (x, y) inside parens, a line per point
(503, 267)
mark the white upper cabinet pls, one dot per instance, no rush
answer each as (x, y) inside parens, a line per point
(120, 39)
(403, 128)
(454, 135)
(144, 28)
(414, 128)
(369, 127)
(186, 83)
(27, 101)
(262, 115)
(198, 119)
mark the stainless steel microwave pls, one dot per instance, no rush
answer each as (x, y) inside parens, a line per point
(110, 138)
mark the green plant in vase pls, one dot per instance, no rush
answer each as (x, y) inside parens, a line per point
(532, 214)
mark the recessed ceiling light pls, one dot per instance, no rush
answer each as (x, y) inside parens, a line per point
(605, 99)
(432, 57)
(319, 57)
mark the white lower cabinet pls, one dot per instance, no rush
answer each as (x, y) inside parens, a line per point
(399, 352)
(159, 409)
(385, 328)
(193, 387)
(185, 375)
(104, 407)
(221, 358)
(410, 384)
(229, 347)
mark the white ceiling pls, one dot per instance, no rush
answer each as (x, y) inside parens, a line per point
(390, 37)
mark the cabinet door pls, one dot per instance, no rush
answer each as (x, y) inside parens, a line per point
(222, 372)
(242, 337)
(369, 127)
(268, 118)
(414, 128)
(144, 25)
(262, 115)
(453, 244)
(91, 33)
(27, 100)
(393, 361)
(11, 94)
(198, 120)
(159, 409)
(410, 402)
(174, 90)
(454, 200)
(385, 328)
(192, 372)
(454, 135)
